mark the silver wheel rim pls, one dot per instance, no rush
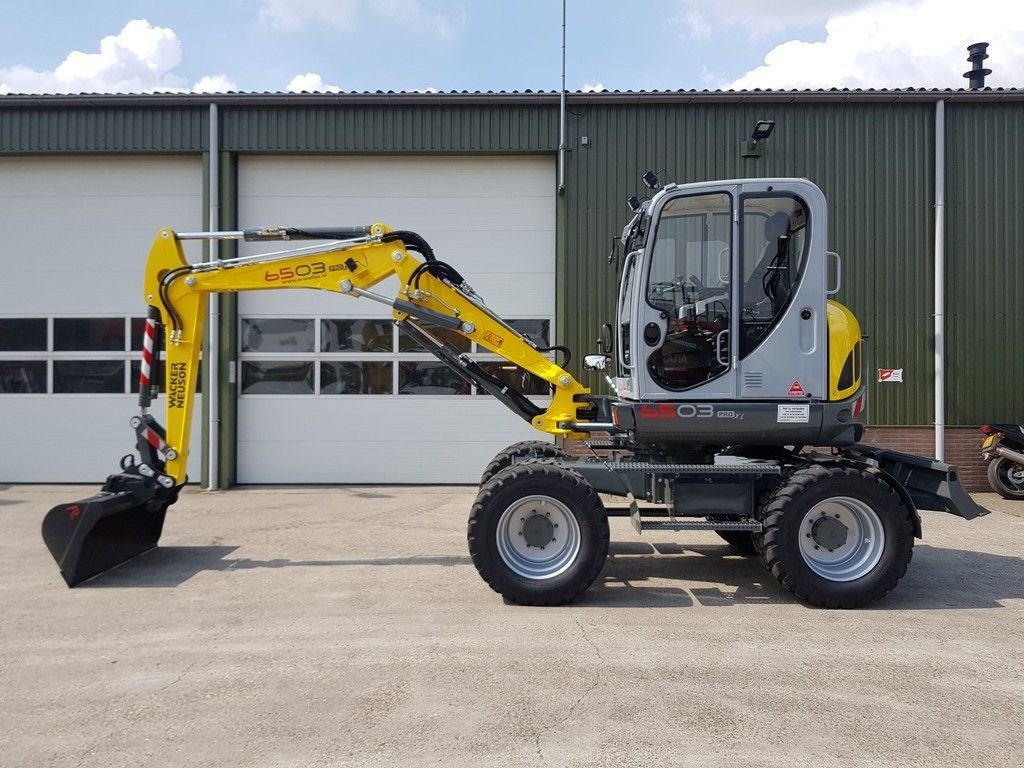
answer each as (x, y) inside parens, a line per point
(837, 555)
(538, 537)
(1013, 476)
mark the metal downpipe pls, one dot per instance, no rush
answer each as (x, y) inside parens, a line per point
(561, 116)
(213, 321)
(940, 280)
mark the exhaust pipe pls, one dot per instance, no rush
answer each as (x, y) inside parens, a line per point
(1009, 453)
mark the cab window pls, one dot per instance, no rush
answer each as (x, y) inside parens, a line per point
(774, 240)
(689, 281)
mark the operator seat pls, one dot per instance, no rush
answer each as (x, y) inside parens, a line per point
(756, 288)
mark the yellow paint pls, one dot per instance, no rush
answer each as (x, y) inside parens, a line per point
(843, 335)
(364, 266)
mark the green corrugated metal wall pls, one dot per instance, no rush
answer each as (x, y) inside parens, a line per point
(386, 128)
(102, 129)
(985, 257)
(873, 160)
(874, 163)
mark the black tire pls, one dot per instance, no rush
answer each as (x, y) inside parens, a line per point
(741, 541)
(527, 449)
(794, 539)
(1006, 478)
(573, 516)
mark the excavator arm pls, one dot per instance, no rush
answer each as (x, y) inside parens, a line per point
(126, 517)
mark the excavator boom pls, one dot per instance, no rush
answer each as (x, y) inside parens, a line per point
(125, 518)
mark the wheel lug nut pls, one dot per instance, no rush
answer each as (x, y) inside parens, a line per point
(816, 546)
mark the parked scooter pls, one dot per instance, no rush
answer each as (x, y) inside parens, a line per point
(1003, 448)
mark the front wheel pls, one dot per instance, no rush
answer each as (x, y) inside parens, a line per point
(1006, 478)
(836, 536)
(538, 534)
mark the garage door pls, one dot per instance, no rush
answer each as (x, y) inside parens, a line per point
(329, 391)
(76, 233)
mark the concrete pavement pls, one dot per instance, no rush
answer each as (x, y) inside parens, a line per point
(347, 626)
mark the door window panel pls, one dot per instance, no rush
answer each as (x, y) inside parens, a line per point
(416, 378)
(775, 241)
(262, 377)
(88, 334)
(23, 334)
(278, 335)
(89, 376)
(356, 336)
(22, 377)
(689, 281)
(338, 378)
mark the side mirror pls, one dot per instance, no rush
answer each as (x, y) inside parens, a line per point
(604, 340)
(596, 362)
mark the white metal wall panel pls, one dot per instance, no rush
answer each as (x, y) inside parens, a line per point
(493, 218)
(75, 233)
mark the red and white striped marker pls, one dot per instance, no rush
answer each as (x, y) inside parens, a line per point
(147, 353)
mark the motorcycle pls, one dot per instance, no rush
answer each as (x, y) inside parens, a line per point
(1003, 448)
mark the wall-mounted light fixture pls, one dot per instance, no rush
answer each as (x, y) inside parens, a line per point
(753, 147)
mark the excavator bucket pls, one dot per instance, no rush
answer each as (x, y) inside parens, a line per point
(90, 536)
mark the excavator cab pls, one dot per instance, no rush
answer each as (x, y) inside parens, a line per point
(723, 305)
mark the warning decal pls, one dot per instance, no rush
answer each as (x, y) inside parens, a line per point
(797, 390)
(890, 374)
(794, 414)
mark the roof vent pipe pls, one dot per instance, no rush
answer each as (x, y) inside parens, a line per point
(976, 53)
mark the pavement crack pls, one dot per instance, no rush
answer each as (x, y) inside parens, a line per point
(178, 679)
(590, 642)
(576, 705)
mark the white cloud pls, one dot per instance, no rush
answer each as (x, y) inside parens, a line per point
(593, 87)
(311, 82)
(214, 84)
(141, 58)
(293, 15)
(921, 43)
(702, 18)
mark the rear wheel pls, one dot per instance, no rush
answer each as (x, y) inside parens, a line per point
(538, 534)
(517, 452)
(836, 537)
(1006, 478)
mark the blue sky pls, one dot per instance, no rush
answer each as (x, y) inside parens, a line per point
(354, 45)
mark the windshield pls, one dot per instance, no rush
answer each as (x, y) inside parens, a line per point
(689, 283)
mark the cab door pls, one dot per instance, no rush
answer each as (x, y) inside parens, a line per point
(782, 336)
(683, 340)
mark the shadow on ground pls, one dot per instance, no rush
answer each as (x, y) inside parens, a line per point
(638, 574)
(166, 567)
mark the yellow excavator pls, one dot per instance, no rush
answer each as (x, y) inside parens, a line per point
(736, 405)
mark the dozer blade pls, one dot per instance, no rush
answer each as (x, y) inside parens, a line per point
(91, 536)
